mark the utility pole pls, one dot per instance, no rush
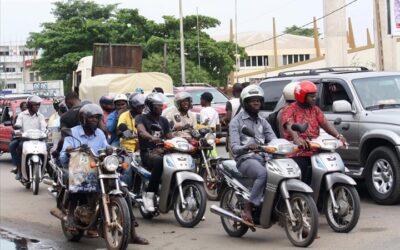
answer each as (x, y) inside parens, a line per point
(198, 37)
(237, 57)
(182, 45)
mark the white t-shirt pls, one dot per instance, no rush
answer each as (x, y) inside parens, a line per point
(211, 114)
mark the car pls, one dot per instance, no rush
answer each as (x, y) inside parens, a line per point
(9, 106)
(364, 106)
(196, 89)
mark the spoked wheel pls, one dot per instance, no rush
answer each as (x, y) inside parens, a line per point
(210, 184)
(190, 211)
(346, 217)
(305, 228)
(117, 234)
(230, 203)
(73, 236)
(36, 178)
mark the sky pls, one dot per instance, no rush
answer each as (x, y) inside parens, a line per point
(19, 17)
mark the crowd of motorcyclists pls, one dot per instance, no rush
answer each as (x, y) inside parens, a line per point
(125, 121)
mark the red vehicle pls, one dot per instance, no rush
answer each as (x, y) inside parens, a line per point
(197, 89)
(9, 108)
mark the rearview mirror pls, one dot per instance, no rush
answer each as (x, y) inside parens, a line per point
(300, 127)
(248, 132)
(341, 106)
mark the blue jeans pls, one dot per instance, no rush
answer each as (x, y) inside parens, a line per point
(16, 158)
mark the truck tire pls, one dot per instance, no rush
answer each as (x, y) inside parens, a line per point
(383, 176)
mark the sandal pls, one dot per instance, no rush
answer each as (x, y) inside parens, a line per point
(248, 220)
(139, 240)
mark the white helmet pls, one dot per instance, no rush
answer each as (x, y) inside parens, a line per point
(251, 91)
(34, 98)
(120, 97)
(182, 96)
(288, 91)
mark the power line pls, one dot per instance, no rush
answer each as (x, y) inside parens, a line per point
(304, 25)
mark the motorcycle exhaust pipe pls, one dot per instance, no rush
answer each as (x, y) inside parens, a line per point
(48, 181)
(56, 212)
(224, 213)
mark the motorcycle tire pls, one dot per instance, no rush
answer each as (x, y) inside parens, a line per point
(119, 213)
(36, 178)
(210, 188)
(335, 221)
(200, 203)
(71, 236)
(308, 207)
(236, 230)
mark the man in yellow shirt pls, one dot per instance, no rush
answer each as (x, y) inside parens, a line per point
(126, 122)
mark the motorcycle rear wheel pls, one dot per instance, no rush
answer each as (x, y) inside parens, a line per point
(230, 203)
(349, 204)
(195, 195)
(117, 237)
(306, 215)
(36, 178)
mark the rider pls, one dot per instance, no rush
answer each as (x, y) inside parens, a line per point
(301, 111)
(208, 115)
(121, 105)
(107, 104)
(251, 164)
(232, 109)
(149, 139)
(88, 133)
(29, 119)
(182, 118)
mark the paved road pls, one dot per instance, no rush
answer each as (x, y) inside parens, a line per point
(26, 215)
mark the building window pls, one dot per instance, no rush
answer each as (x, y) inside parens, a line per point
(285, 60)
(248, 62)
(260, 61)
(266, 63)
(307, 56)
(31, 76)
(11, 85)
(290, 59)
(296, 58)
(241, 62)
(254, 61)
(10, 69)
(4, 53)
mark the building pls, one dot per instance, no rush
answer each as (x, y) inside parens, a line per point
(15, 64)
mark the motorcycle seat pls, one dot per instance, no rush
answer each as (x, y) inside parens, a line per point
(230, 167)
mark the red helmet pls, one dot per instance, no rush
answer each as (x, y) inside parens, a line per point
(304, 88)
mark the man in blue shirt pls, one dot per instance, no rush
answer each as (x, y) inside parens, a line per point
(88, 133)
(250, 163)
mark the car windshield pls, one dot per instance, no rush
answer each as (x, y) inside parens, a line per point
(378, 92)
(218, 96)
(45, 109)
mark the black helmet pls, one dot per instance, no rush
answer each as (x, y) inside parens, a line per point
(136, 99)
(153, 99)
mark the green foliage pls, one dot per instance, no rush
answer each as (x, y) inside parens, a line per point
(80, 23)
(295, 30)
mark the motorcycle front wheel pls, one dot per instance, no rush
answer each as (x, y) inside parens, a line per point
(36, 178)
(230, 202)
(117, 234)
(348, 200)
(190, 211)
(305, 212)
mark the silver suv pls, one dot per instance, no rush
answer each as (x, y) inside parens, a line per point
(365, 107)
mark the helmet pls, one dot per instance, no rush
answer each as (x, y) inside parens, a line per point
(34, 99)
(288, 91)
(304, 88)
(180, 97)
(120, 97)
(153, 99)
(106, 100)
(62, 107)
(136, 99)
(251, 91)
(91, 109)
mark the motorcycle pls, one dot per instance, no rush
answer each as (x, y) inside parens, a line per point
(334, 192)
(94, 185)
(181, 188)
(287, 200)
(33, 158)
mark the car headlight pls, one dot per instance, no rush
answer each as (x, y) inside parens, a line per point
(111, 163)
(210, 138)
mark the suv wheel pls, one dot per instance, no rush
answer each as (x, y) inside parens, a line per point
(383, 176)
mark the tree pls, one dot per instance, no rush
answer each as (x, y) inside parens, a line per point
(80, 23)
(295, 30)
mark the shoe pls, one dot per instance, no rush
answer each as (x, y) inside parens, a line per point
(148, 202)
(14, 170)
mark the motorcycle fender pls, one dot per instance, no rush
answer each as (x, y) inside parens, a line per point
(185, 175)
(115, 192)
(333, 178)
(295, 185)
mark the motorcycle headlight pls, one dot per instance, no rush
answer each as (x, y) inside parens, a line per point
(35, 134)
(330, 144)
(111, 163)
(210, 138)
